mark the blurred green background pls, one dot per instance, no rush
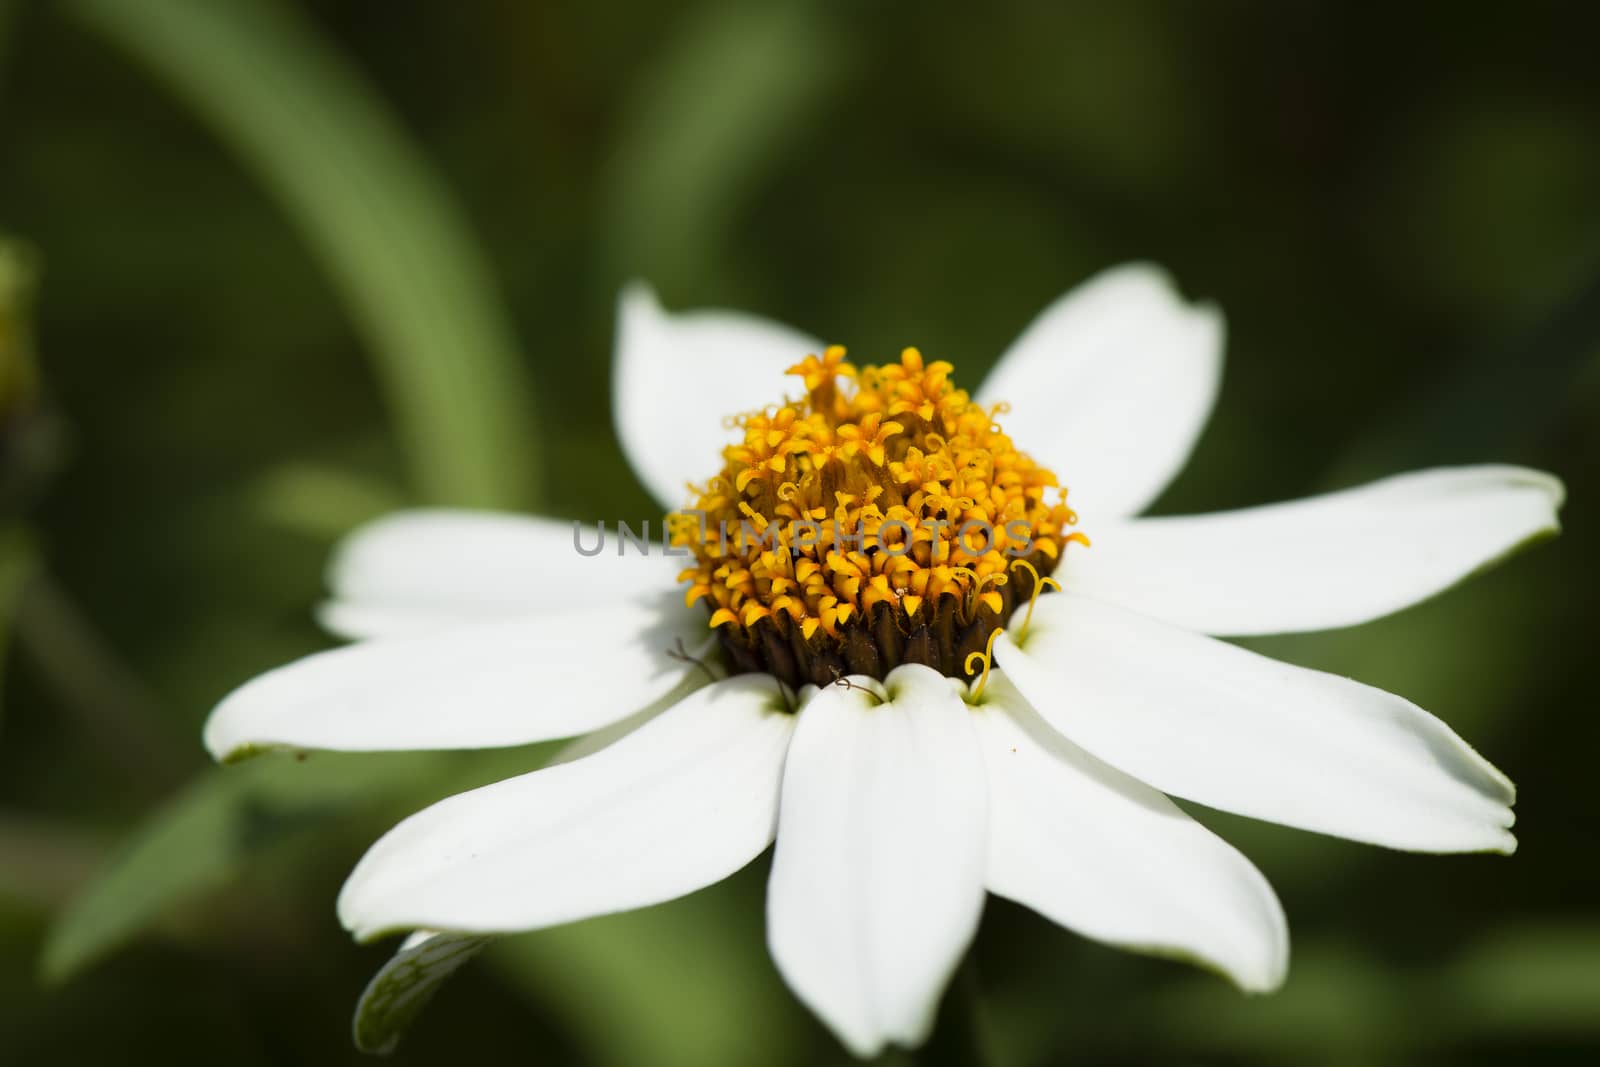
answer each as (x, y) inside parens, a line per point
(270, 269)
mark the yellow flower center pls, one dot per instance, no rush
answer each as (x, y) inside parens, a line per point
(876, 521)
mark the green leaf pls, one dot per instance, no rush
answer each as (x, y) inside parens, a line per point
(406, 983)
(386, 230)
(230, 815)
(320, 501)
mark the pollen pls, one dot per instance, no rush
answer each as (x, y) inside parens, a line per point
(881, 518)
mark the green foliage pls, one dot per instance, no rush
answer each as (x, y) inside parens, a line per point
(711, 116)
(690, 978)
(404, 985)
(239, 814)
(389, 235)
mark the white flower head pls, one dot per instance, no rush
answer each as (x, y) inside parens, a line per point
(903, 712)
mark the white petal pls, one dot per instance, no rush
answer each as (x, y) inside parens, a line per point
(877, 880)
(427, 569)
(610, 734)
(1110, 387)
(1107, 856)
(1326, 561)
(684, 801)
(483, 686)
(676, 378)
(403, 987)
(1202, 719)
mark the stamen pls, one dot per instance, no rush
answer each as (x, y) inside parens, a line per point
(998, 578)
(681, 654)
(843, 682)
(1038, 587)
(987, 656)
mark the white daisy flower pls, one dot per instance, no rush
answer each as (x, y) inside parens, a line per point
(837, 695)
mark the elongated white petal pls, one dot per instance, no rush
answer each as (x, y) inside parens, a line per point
(1326, 561)
(427, 569)
(1202, 719)
(1107, 856)
(1110, 387)
(404, 985)
(483, 686)
(608, 735)
(677, 377)
(877, 880)
(683, 801)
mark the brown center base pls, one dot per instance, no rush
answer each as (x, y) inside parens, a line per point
(941, 635)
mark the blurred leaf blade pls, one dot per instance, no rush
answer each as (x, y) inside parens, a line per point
(666, 969)
(1531, 979)
(372, 210)
(192, 844)
(230, 815)
(319, 500)
(688, 158)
